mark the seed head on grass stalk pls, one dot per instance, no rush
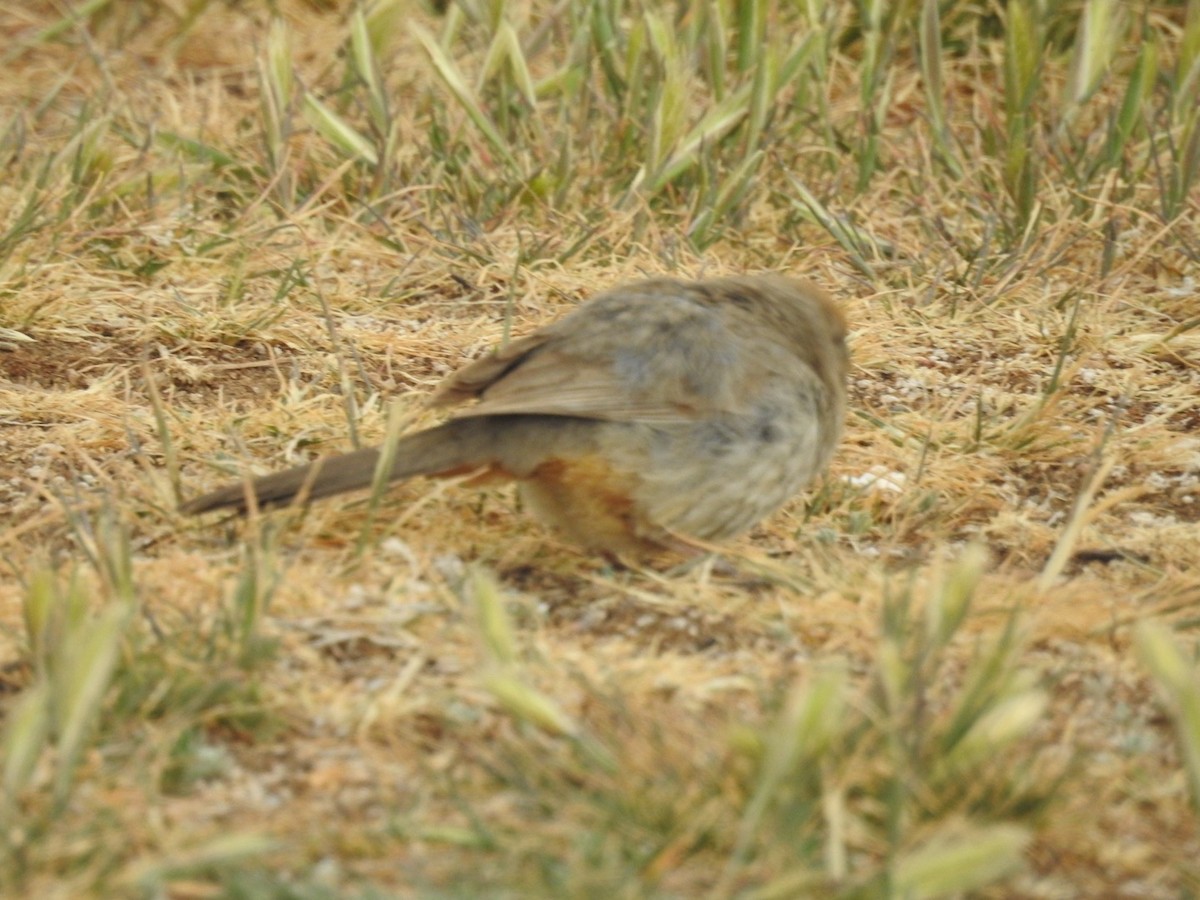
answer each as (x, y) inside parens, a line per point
(1096, 41)
(1132, 110)
(670, 95)
(947, 610)
(764, 88)
(24, 741)
(634, 103)
(369, 34)
(366, 67)
(383, 19)
(338, 131)
(1179, 682)
(875, 83)
(813, 715)
(276, 101)
(503, 675)
(1006, 721)
(715, 36)
(491, 619)
(1185, 95)
(707, 133)
(959, 860)
(604, 32)
(277, 65)
(1022, 76)
(448, 72)
(930, 49)
(76, 653)
(77, 688)
(504, 55)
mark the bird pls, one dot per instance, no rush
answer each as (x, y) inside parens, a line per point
(660, 416)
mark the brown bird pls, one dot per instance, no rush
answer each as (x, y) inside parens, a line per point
(655, 413)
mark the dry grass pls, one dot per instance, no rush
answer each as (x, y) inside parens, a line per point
(340, 703)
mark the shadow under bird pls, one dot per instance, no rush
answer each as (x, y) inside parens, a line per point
(661, 415)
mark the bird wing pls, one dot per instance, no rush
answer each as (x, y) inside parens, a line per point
(627, 356)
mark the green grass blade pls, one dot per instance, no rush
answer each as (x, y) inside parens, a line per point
(450, 76)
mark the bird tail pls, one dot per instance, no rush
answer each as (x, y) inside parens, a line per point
(455, 447)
